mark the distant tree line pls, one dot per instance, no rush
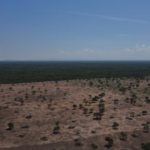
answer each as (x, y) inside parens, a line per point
(17, 72)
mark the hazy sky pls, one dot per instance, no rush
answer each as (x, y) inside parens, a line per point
(74, 29)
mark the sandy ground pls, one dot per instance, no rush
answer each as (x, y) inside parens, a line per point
(34, 119)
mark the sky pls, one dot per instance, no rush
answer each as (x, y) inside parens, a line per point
(74, 30)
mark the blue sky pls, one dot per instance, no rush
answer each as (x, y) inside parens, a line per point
(74, 30)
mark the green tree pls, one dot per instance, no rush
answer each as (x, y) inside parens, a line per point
(86, 102)
(80, 106)
(146, 146)
(94, 146)
(115, 125)
(102, 101)
(57, 123)
(109, 140)
(91, 110)
(49, 105)
(10, 125)
(90, 103)
(144, 112)
(116, 101)
(97, 115)
(56, 129)
(74, 106)
(85, 110)
(132, 114)
(124, 135)
(22, 101)
(146, 127)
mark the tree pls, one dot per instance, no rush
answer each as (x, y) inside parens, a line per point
(22, 101)
(10, 125)
(86, 102)
(56, 129)
(146, 146)
(90, 96)
(102, 101)
(49, 105)
(124, 135)
(146, 127)
(57, 123)
(78, 133)
(101, 106)
(101, 111)
(94, 99)
(132, 114)
(85, 110)
(94, 146)
(109, 140)
(115, 125)
(74, 106)
(102, 94)
(80, 106)
(78, 142)
(116, 101)
(90, 103)
(131, 100)
(144, 112)
(91, 110)
(97, 115)
(127, 99)
(91, 83)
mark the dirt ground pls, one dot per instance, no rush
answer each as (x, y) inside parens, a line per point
(26, 105)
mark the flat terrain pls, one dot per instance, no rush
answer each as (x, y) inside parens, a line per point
(34, 108)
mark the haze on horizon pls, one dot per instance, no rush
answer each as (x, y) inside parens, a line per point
(74, 30)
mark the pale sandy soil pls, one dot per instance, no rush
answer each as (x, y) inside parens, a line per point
(64, 95)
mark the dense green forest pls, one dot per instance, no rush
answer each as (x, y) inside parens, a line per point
(19, 71)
